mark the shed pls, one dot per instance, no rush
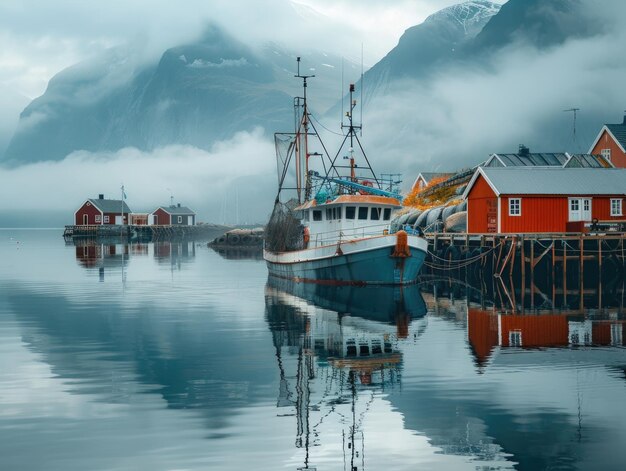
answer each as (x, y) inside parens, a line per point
(172, 216)
(101, 211)
(542, 199)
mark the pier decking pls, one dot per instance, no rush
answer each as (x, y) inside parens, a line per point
(144, 232)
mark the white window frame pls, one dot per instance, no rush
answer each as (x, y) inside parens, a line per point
(515, 207)
(606, 153)
(616, 207)
(180, 219)
(98, 218)
(106, 219)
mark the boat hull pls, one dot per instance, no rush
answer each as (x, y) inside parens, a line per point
(369, 261)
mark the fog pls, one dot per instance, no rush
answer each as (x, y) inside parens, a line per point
(233, 183)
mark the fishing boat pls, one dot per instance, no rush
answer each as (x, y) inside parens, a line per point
(330, 223)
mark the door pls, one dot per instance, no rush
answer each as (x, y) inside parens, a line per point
(492, 215)
(579, 209)
(85, 219)
(118, 220)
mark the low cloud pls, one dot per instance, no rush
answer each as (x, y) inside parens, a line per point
(463, 114)
(233, 182)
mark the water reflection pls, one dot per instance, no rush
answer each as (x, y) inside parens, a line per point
(337, 350)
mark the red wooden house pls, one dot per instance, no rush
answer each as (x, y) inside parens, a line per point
(101, 211)
(172, 216)
(611, 143)
(542, 200)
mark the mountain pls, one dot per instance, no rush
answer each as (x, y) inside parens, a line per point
(432, 43)
(196, 94)
(540, 23)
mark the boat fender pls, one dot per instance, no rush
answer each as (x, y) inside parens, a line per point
(402, 245)
(306, 234)
(233, 239)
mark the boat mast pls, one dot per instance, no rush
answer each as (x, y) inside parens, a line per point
(351, 133)
(302, 144)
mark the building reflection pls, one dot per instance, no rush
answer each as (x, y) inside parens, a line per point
(108, 255)
(336, 348)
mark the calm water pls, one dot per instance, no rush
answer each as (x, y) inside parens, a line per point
(174, 357)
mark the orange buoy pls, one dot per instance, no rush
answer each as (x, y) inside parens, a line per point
(402, 245)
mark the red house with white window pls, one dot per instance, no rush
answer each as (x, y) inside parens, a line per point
(611, 143)
(101, 211)
(542, 200)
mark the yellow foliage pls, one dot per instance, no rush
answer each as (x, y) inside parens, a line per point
(424, 198)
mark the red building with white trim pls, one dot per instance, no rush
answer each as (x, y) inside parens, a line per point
(611, 143)
(543, 200)
(101, 211)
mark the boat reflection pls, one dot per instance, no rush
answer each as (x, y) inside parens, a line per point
(336, 350)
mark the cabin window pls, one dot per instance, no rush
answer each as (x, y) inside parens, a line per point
(180, 219)
(350, 212)
(106, 218)
(329, 214)
(317, 215)
(606, 153)
(515, 206)
(375, 215)
(363, 212)
(616, 207)
(339, 210)
(305, 215)
(98, 218)
(387, 214)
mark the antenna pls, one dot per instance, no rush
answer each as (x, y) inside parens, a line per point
(361, 98)
(171, 196)
(574, 111)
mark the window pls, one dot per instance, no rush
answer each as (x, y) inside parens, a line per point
(375, 214)
(363, 212)
(98, 218)
(339, 210)
(350, 212)
(616, 206)
(180, 219)
(515, 206)
(329, 214)
(606, 153)
(317, 215)
(387, 214)
(106, 219)
(306, 215)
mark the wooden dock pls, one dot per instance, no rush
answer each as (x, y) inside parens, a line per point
(570, 267)
(145, 232)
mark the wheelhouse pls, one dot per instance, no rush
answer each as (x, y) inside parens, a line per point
(347, 217)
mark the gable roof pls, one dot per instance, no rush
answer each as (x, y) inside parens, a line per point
(110, 206)
(616, 131)
(551, 181)
(176, 210)
(428, 176)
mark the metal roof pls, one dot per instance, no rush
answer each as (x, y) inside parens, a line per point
(532, 159)
(110, 206)
(176, 210)
(552, 181)
(428, 176)
(587, 160)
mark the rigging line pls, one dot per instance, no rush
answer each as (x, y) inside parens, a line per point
(326, 171)
(330, 131)
(367, 160)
